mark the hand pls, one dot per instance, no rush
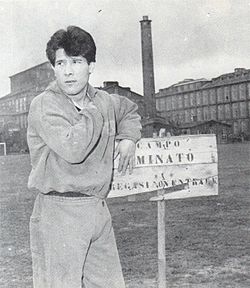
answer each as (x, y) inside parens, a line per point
(126, 149)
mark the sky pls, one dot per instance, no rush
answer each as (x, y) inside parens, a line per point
(191, 38)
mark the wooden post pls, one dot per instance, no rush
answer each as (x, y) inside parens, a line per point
(161, 241)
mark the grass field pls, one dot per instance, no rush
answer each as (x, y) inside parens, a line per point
(207, 238)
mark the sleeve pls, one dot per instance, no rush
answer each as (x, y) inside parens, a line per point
(127, 119)
(73, 143)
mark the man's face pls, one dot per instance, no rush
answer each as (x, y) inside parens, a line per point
(72, 73)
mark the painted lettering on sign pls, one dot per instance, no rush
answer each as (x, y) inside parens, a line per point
(164, 158)
(189, 161)
(163, 183)
(162, 144)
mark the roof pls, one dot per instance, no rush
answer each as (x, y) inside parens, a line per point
(239, 75)
(156, 120)
(195, 124)
(114, 84)
(189, 81)
(32, 68)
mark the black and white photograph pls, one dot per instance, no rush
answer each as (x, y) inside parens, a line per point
(125, 144)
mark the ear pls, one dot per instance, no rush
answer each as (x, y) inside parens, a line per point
(91, 67)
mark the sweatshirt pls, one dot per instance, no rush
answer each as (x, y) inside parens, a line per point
(72, 150)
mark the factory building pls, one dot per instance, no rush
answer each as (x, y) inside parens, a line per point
(224, 99)
(25, 86)
(113, 87)
(14, 107)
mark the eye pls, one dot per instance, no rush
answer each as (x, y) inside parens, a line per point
(59, 63)
(77, 61)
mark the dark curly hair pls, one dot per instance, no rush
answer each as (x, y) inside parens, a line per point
(75, 42)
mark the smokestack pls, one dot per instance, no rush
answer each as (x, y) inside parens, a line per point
(148, 68)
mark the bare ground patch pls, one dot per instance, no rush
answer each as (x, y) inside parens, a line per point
(207, 239)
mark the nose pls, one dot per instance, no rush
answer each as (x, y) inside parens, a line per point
(68, 69)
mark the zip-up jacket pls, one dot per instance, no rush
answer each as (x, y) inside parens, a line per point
(72, 150)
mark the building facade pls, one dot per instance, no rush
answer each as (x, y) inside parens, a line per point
(14, 107)
(224, 99)
(25, 86)
(113, 87)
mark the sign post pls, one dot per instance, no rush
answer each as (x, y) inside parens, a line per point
(177, 167)
(161, 242)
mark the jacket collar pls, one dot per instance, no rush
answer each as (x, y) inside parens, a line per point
(91, 91)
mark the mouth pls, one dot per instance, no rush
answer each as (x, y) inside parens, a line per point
(70, 81)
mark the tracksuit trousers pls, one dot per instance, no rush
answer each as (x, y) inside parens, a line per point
(73, 244)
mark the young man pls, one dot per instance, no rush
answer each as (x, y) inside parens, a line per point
(72, 129)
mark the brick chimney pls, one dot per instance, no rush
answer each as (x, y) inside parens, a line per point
(148, 68)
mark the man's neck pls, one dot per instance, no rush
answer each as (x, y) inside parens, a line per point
(81, 99)
(79, 103)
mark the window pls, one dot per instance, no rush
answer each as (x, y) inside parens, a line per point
(244, 126)
(25, 120)
(187, 116)
(204, 97)
(242, 91)
(161, 104)
(21, 104)
(226, 94)
(157, 104)
(181, 116)
(168, 104)
(192, 99)
(227, 111)
(164, 103)
(192, 86)
(176, 118)
(213, 112)
(199, 114)
(180, 105)
(243, 109)
(17, 105)
(24, 103)
(221, 114)
(235, 92)
(206, 113)
(236, 128)
(212, 96)
(186, 100)
(174, 106)
(169, 116)
(193, 115)
(235, 110)
(224, 133)
(198, 98)
(248, 90)
(179, 88)
(220, 95)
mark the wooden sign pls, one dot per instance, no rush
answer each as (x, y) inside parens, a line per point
(188, 163)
